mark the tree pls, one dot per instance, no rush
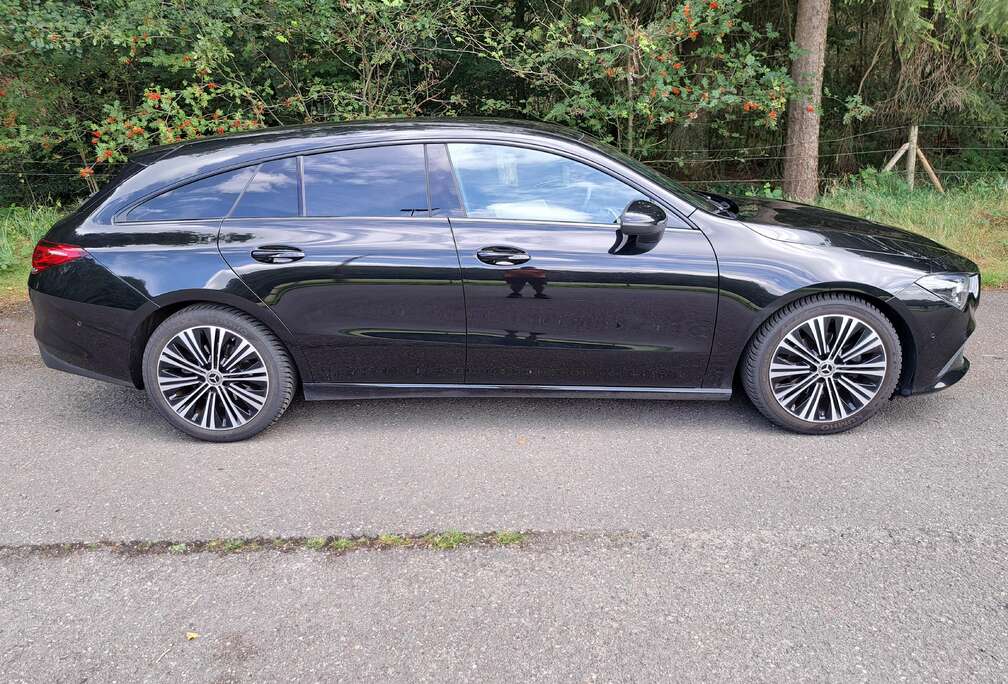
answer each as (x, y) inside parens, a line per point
(801, 166)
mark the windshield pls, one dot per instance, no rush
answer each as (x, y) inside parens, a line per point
(676, 188)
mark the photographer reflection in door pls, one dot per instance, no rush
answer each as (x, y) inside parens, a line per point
(518, 278)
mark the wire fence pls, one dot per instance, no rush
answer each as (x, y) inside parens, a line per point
(710, 156)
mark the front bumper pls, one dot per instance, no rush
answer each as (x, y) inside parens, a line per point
(939, 332)
(953, 372)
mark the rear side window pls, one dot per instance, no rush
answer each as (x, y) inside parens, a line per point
(208, 198)
(273, 192)
(372, 181)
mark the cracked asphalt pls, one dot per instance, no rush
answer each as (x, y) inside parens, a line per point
(676, 541)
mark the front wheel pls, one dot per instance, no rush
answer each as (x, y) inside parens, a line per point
(217, 374)
(822, 365)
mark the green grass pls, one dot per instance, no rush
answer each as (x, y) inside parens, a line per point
(20, 229)
(508, 538)
(315, 543)
(971, 219)
(447, 541)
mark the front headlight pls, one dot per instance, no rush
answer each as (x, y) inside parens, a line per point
(954, 288)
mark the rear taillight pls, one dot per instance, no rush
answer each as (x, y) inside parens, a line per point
(48, 254)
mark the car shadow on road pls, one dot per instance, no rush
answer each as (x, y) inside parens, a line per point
(128, 410)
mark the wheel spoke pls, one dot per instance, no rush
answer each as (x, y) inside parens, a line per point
(188, 339)
(187, 402)
(209, 403)
(808, 409)
(248, 397)
(797, 347)
(844, 330)
(817, 327)
(857, 390)
(866, 344)
(837, 409)
(877, 368)
(240, 351)
(173, 383)
(792, 391)
(784, 370)
(175, 359)
(234, 415)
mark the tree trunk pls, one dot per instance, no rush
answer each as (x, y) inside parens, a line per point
(801, 167)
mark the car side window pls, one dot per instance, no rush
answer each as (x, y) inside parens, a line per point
(371, 181)
(209, 198)
(498, 181)
(273, 191)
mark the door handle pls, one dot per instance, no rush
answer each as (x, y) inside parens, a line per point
(277, 255)
(502, 256)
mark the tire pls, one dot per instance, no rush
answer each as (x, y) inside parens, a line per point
(854, 381)
(243, 392)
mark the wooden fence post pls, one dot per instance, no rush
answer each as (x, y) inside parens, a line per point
(911, 162)
(913, 153)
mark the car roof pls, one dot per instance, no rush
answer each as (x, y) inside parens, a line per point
(306, 137)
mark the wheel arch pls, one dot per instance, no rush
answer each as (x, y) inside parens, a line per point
(159, 310)
(880, 299)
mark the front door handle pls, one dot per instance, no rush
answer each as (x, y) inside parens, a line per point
(277, 255)
(502, 256)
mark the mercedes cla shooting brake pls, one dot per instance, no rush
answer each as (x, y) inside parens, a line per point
(481, 257)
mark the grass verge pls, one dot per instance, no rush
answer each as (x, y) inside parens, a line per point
(20, 229)
(971, 219)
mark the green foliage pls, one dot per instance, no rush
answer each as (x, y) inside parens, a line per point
(629, 75)
(20, 229)
(85, 84)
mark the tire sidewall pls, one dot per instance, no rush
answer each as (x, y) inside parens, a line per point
(198, 316)
(890, 342)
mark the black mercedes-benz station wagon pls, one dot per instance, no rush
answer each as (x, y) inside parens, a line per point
(481, 257)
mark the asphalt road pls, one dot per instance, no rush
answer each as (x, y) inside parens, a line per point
(672, 540)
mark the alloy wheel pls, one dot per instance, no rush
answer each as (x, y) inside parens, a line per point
(828, 368)
(212, 377)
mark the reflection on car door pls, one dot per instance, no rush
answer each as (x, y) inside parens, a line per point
(549, 299)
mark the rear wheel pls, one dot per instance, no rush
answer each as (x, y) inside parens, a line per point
(824, 364)
(217, 374)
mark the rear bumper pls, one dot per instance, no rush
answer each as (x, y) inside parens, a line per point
(84, 339)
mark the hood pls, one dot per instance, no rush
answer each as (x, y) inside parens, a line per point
(802, 223)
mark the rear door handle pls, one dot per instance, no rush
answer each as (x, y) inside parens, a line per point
(277, 255)
(502, 256)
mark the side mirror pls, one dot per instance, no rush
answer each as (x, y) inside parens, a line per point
(643, 218)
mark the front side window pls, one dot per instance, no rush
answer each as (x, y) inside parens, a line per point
(371, 181)
(272, 193)
(209, 198)
(503, 182)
